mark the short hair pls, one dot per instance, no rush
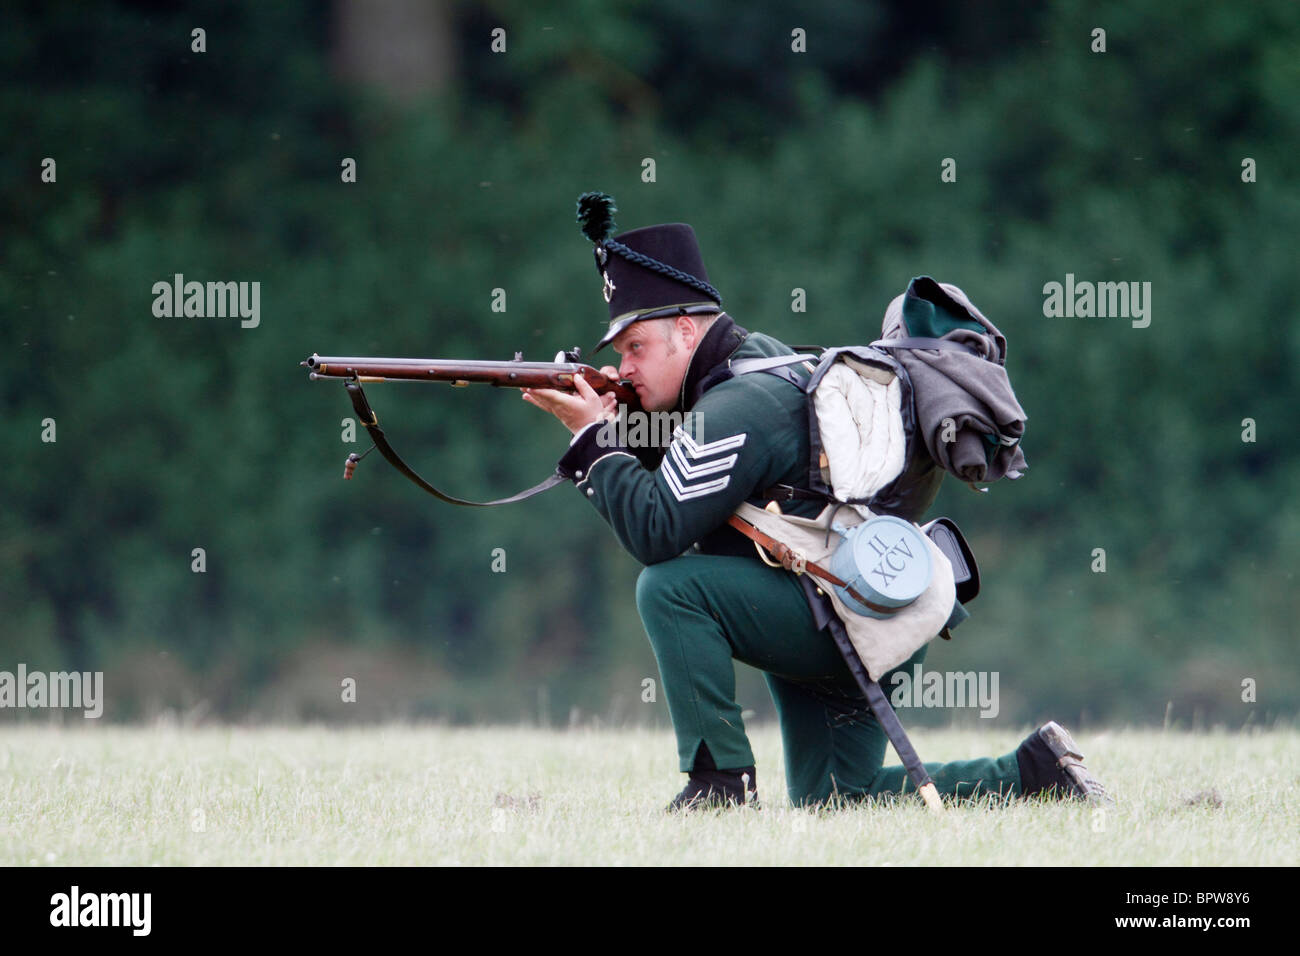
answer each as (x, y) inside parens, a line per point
(702, 324)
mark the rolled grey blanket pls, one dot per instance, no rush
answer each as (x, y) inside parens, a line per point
(971, 389)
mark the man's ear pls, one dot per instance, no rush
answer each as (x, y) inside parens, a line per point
(689, 333)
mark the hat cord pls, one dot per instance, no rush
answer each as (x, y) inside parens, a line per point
(654, 265)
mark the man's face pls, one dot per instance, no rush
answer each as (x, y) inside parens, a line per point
(655, 364)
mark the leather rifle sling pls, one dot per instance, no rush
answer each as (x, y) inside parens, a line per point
(370, 420)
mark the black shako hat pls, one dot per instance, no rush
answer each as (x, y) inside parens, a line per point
(650, 273)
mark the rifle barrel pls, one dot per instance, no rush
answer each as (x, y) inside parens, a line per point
(509, 374)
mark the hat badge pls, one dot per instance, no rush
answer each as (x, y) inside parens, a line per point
(609, 287)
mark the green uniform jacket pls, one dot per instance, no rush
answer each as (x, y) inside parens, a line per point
(743, 435)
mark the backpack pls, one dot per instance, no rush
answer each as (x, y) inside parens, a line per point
(889, 419)
(936, 380)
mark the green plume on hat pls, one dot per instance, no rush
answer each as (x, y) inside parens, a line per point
(596, 215)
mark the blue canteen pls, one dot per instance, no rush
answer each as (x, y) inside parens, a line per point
(886, 560)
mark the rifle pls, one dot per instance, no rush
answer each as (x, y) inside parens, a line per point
(353, 370)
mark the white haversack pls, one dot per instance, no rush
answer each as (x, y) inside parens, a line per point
(881, 642)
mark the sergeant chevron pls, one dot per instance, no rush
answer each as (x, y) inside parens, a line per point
(693, 469)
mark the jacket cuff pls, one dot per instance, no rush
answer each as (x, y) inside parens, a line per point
(591, 444)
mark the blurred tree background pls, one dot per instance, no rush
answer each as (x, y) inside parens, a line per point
(817, 170)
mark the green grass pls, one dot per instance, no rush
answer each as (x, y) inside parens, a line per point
(432, 795)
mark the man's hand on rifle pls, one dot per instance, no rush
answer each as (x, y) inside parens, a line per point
(578, 411)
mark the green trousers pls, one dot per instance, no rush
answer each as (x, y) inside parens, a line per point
(701, 612)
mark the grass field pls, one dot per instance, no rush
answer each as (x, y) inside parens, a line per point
(433, 795)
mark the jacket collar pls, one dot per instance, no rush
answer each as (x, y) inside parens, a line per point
(708, 365)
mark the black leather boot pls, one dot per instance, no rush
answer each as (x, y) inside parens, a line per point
(1050, 763)
(710, 788)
